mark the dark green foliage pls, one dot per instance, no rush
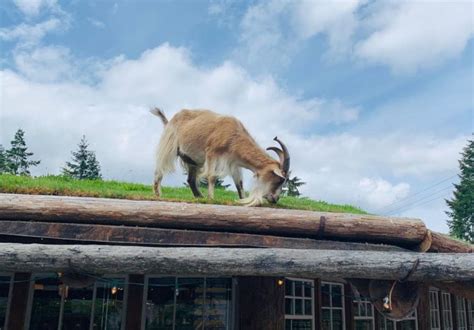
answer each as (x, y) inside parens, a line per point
(218, 185)
(292, 185)
(3, 160)
(461, 224)
(16, 158)
(84, 164)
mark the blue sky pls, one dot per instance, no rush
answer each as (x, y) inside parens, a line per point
(374, 98)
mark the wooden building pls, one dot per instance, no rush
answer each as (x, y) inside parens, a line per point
(85, 263)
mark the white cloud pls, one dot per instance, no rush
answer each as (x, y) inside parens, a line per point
(410, 35)
(34, 7)
(45, 64)
(30, 34)
(403, 35)
(95, 22)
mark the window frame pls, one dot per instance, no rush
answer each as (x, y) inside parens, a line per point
(145, 295)
(36, 276)
(366, 302)
(470, 313)
(311, 317)
(446, 309)
(434, 297)
(10, 291)
(461, 313)
(343, 308)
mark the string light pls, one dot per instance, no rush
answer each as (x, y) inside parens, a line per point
(280, 282)
(114, 290)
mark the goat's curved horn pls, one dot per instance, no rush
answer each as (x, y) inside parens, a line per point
(278, 152)
(285, 163)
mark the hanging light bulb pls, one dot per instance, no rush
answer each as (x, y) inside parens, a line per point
(114, 290)
(280, 282)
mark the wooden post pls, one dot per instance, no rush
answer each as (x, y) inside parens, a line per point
(261, 303)
(349, 310)
(19, 301)
(135, 289)
(318, 315)
(454, 311)
(423, 309)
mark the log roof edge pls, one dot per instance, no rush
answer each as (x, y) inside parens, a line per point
(404, 232)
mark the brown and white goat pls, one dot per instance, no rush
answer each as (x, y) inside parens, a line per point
(211, 145)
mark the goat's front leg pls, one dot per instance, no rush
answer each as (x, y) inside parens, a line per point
(211, 182)
(192, 181)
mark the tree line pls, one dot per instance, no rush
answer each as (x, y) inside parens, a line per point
(17, 160)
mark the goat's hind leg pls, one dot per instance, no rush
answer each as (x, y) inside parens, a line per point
(237, 177)
(192, 181)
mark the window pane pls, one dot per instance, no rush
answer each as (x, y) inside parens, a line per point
(189, 303)
(363, 325)
(408, 325)
(298, 288)
(46, 304)
(287, 324)
(4, 289)
(288, 288)
(77, 308)
(308, 307)
(109, 305)
(160, 303)
(298, 306)
(336, 293)
(337, 321)
(301, 325)
(289, 306)
(325, 295)
(307, 289)
(326, 321)
(218, 309)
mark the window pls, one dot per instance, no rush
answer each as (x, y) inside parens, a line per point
(446, 310)
(461, 313)
(470, 313)
(188, 303)
(299, 311)
(363, 315)
(409, 323)
(434, 310)
(332, 295)
(5, 282)
(98, 307)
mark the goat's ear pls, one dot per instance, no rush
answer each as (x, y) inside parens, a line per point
(279, 173)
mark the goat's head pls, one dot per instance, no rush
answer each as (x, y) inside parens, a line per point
(271, 178)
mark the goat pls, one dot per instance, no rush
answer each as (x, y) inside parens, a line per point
(211, 145)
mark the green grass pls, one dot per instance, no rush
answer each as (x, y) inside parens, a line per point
(63, 186)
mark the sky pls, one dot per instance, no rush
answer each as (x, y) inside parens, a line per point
(375, 99)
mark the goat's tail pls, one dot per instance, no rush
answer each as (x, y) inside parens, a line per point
(167, 151)
(158, 112)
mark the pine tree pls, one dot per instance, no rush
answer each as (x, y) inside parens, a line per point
(17, 156)
(84, 164)
(461, 224)
(3, 160)
(292, 185)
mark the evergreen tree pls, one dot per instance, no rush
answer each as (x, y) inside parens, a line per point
(84, 164)
(3, 160)
(292, 185)
(17, 156)
(461, 224)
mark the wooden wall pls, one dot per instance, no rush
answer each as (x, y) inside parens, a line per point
(260, 302)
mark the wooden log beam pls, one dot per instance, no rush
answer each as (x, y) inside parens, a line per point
(100, 259)
(444, 243)
(273, 221)
(46, 232)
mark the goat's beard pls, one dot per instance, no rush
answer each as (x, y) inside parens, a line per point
(256, 196)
